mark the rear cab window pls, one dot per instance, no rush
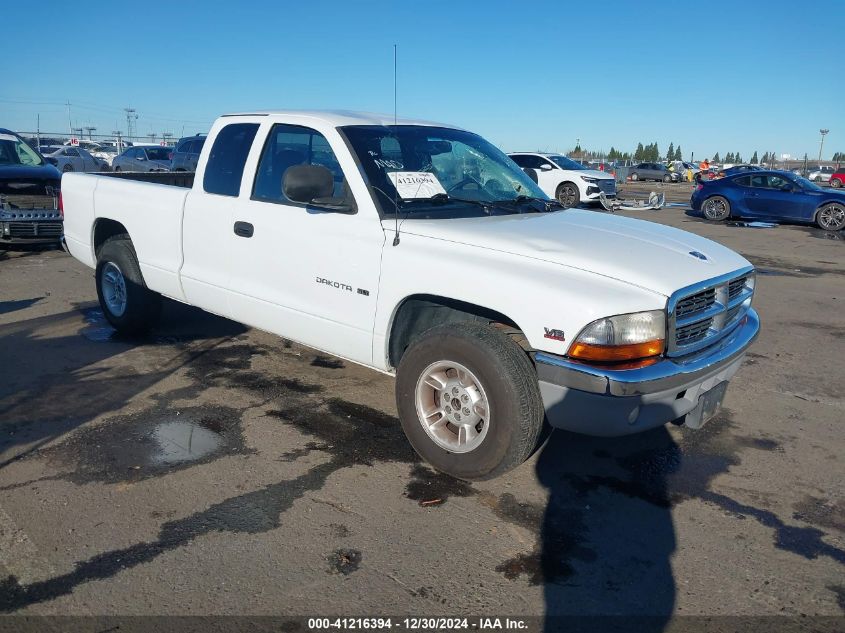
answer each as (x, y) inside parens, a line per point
(225, 166)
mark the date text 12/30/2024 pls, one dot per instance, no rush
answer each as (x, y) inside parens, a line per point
(418, 624)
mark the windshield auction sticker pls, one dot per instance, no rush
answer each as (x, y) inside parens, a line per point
(415, 184)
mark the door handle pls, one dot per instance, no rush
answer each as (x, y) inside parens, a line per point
(244, 229)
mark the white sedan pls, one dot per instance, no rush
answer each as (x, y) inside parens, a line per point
(559, 177)
(69, 158)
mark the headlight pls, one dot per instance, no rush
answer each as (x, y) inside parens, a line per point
(588, 179)
(624, 337)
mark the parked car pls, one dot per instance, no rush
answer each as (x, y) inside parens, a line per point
(565, 180)
(143, 158)
(736, 169)
(822, 174)
(777, 195)
(29, 194)
(837, 178)
(105, 153)
(588, 320)
(653, 171)
(187, 153)
(68, 158)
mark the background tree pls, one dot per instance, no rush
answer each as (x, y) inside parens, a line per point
(729, 157)
(670, 153)
(678, 153)
(754, 158)
(638, 154)
(737, 158)
(716, 158)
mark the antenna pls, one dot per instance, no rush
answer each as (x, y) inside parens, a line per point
(395, 184)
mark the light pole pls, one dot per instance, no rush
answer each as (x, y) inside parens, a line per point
(821, 143)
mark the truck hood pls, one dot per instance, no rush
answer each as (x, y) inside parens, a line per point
(649, 255)
(28, 179)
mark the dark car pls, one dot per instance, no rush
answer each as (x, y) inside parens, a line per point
(653, 171)
(29, 194)
(143, 158)
(736, 169)
(774, 195)
(187, 153)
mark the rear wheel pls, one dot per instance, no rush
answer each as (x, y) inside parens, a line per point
(717, 208)
(568, 195)
(831, 217)
(835, 183)
(67, 168)
(127, 303)
(635, 177)
(667, 178)
(469, 401)
(117, 168)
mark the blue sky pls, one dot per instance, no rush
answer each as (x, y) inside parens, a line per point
(724, 76)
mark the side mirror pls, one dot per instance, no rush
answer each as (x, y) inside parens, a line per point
(140, 158)
(546, 167)
(313, 184)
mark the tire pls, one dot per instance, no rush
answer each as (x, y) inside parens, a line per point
(117, 168)
(716, 208)
(667, 178)
(831, 216)
(634, 177)
(835, 183)
(502, 383)
(568, 195)
(67, 168)
(118, 276)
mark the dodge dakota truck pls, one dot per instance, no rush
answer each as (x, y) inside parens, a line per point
(422, 251)
(29, 194)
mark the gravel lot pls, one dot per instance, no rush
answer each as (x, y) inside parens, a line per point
(216, 469)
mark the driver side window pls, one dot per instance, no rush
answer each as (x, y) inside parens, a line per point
(290, 145)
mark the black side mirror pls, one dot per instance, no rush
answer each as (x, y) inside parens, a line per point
(313, 184)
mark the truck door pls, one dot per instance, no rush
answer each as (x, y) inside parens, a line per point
(207, 222)
(301, 271)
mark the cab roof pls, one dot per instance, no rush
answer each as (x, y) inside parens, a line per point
(341, 117)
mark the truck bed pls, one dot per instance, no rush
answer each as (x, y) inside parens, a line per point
(173, 179)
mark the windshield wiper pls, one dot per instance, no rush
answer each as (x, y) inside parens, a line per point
(548, 205)
(443, 198)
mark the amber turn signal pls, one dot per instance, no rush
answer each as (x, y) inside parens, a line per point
(616, 353)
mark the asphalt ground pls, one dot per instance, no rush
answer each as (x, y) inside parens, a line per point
(214, 469)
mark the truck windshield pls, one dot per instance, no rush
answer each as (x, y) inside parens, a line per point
(421, 167)
(13, 151)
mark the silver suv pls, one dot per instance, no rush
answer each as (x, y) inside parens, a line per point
(187, 153)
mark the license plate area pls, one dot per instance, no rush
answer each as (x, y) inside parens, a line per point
(708, 406)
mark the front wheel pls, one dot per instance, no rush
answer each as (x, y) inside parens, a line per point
(831, 217)
(717, 208)
(469, 401)
(667, 178)
(635, 177)
(67, 168)
(117, 168)
(128, 305)
(568, 195)
(835, 183)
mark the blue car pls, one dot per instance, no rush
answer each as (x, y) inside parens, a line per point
(774, 195)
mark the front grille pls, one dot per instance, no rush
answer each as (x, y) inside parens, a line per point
(692, 333)
(35, 229)
(702, 314)
(735, 286)
(608, 185)
(695, 303)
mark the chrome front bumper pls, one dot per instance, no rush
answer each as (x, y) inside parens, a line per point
(608, 402)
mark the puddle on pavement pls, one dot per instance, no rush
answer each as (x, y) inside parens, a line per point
(98, 329)
(183, 442)
(149, 443)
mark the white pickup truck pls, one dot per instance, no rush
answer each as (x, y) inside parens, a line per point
(424, 252)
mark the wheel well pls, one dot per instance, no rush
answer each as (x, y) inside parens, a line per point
(104, 229)
(419, 313)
